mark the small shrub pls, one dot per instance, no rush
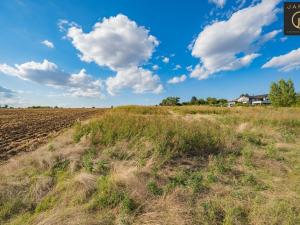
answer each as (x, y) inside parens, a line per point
(102, 167)
(154, 189)
(273, 153)
(252, 138)
(236, 215)
(60, 166)
(45, 204)
(127, 204)
(51, 147)
(211, 177)
(249, 179)
(212, 213)
(247, 155)
(10, 208)
(108, 194)
(222, 164)
(80, 131)
(87, 160)
(288, 135)
(195, 182)
(87, 163)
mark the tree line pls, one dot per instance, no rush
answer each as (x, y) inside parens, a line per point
(281, 94)
(172, 101)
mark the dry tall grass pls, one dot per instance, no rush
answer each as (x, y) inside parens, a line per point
(161, 165)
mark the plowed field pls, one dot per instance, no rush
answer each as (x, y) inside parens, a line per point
(24, 129)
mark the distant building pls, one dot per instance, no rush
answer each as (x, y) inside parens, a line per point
(251, 100)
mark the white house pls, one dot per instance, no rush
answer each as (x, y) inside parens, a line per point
(251, 100)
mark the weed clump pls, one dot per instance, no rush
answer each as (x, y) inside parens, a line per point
(170, 138)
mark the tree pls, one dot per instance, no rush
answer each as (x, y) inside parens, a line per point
(212, 101)
(244, 95)
(202, 101)
(282, 93)
(222, 101)
(170, 101)
(194, 101)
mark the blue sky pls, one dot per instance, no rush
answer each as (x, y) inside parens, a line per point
(68, 54)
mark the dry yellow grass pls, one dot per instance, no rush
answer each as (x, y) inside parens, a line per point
(161, 165)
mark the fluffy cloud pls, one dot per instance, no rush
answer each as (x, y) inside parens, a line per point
(84, 85)
(269, 36)
(6, 93)
(219, 3)
(116, 42)
(123, 46)
(139, 79)
(47, 73)
(176, 80)
(48, 44)
(43, 73)
(231, 44)
(287, 62)
(177, 67)
(166, 60)
(155, 67)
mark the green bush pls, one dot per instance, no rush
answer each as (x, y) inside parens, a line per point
(283, 93)
(127, 204)
(102, 167)
(108, 195)
(59, 166)
(11, 207)
(153, 188)
(190, 179)
(47, 203)
(87, 160)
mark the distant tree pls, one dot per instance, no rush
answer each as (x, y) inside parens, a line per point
(212, 101)
(244, 95)
(194, 101)
(170, 101)
(222, 101)
(202, 101)
(282, 93)
(185, 103)
(5, 106)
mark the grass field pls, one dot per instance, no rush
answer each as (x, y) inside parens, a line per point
(161, 165)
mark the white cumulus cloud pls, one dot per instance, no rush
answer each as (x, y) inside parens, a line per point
(121, 45)
(155, 67)
(44, 73)
(176, 80)
(138, 79)
(48, 44)
(48, 73)
(287, 62)
(166, 60)
(219, 3)
(232, 44)
(84, 85)
(177, 67)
